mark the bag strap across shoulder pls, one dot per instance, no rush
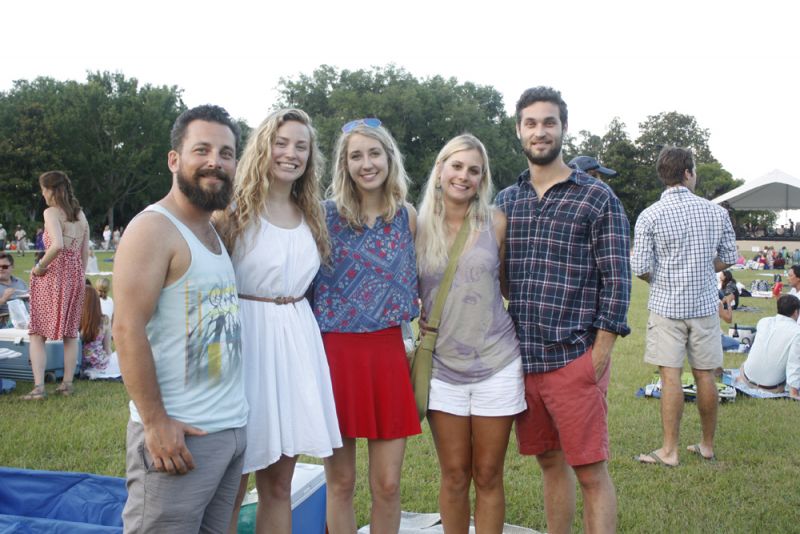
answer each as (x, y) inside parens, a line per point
(447, 280)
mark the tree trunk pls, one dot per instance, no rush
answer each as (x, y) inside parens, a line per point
(110, 217)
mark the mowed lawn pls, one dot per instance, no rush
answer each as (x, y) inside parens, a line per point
(753, 487)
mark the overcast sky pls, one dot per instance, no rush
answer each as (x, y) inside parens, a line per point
(735, 70)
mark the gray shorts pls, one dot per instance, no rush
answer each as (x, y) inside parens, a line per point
(669, 341)
(200, 501)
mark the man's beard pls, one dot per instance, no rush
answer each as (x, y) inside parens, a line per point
(199, 197)
(546, 158)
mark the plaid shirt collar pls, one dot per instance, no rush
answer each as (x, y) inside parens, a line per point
(578, 177)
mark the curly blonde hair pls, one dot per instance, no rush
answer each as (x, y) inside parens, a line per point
(253, 179)
(343, 190)
(431, 241)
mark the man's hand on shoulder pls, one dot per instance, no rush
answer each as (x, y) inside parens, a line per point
(164, 439)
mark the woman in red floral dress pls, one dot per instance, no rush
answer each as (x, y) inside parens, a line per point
(57, 281)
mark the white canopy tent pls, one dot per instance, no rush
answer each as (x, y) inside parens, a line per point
(775, 190)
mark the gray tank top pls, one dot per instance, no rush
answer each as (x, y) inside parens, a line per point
(476, 335)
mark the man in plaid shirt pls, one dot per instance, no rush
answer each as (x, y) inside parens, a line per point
(680, 243)
(567, 263)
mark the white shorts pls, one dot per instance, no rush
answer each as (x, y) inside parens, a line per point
(501, 394)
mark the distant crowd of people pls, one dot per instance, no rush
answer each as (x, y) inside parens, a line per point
(20, 243)
(772, 258)
(788, 230)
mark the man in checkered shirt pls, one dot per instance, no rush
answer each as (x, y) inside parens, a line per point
(680, 243)
(567, 263)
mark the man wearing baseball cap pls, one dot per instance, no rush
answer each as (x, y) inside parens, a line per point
(590, 165)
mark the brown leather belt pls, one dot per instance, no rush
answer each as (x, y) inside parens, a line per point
(761, 386)
(274, 300)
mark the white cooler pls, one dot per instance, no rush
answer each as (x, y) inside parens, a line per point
(308, 502)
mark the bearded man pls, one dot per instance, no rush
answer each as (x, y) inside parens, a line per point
(567, 247)
(186, 433)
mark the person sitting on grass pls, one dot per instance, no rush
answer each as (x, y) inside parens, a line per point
(726, 314)
(103, 288)
(728, 286)
(95, 333)
(774, 358)
(11, 287)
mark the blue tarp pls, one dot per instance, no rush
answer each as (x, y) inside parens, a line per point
(59, 502)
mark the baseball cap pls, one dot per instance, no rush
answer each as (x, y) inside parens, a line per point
(588, 163)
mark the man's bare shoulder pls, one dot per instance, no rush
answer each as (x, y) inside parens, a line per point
(148, 221)
(151, 231)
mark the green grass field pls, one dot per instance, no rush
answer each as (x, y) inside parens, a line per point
(752, 487)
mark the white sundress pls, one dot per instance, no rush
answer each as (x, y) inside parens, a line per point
(286, 376)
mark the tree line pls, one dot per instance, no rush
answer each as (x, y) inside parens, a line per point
(111, 135)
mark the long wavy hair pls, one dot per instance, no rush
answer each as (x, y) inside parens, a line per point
(431, 241)
(92, 316)
(343, 190)
(253, 178)
(60, 185)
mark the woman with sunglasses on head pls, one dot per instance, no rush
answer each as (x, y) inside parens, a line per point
(276, 234)
(361, 297)
(57, 281)
(477, 381)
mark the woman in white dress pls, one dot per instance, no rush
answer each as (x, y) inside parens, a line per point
(276, 234)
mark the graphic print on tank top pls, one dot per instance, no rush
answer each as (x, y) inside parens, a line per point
(212, 329)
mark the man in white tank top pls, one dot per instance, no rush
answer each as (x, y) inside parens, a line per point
(177, 336)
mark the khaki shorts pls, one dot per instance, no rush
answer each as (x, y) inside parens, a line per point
(669, 341)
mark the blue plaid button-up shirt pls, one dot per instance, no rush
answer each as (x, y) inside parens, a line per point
(568, 267)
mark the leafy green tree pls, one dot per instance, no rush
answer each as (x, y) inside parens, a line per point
(636, 186)
(713, 180)
(672, 128)
(121, 155)
(29, 144)
(110, 135)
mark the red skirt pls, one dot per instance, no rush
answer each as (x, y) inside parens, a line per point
(371, 384)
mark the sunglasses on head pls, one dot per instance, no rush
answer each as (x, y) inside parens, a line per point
(370, 122)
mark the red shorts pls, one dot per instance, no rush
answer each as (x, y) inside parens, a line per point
(371, 384)
(567, 410)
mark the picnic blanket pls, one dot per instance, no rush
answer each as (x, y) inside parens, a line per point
(747, 309)
(653, 389)
(418, 523)
(729, 376)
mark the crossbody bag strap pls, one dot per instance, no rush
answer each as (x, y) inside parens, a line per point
(447, 280)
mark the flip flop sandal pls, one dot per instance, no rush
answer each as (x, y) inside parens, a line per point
(656, 460)
(695, 449)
